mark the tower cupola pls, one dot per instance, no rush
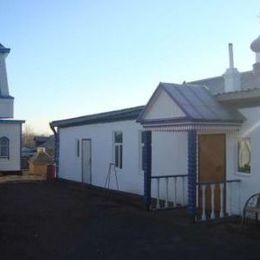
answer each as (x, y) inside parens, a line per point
(255, 47)
(4, 91)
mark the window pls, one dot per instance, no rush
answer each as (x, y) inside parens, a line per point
(4, 147)
(141, 150)
(78, 148)
(244, 155)
(118, 149)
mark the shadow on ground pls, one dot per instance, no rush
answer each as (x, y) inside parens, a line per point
(57, 220)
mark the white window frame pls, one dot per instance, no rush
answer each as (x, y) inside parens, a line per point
(121, 151)
(140, 148)
(242, 173)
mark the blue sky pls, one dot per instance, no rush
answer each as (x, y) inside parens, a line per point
(71, 58)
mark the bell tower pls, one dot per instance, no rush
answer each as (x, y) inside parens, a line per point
(3, 74)
(6, 101)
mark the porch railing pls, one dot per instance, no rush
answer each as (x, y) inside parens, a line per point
(229, 191)
(171, 191)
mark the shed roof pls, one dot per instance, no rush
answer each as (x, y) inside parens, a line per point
(198, 104)
(112, 116)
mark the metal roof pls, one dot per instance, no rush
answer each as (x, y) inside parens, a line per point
(113, 116)
(240, 99)
(198, 104)
(216, 85)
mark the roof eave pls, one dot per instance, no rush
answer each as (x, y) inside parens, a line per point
(240, 99)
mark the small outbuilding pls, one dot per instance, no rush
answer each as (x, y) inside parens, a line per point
(39, 162)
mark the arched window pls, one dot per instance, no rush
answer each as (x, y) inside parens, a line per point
(4, 147)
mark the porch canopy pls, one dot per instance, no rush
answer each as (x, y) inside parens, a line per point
(186, 108)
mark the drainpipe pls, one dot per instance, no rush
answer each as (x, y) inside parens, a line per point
(56, 149)
(147, 168)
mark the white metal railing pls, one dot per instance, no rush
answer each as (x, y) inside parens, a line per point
(227, 195)
(170, 191)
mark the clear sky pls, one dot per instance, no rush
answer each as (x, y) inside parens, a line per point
(71, 58)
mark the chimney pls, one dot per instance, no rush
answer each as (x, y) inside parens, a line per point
(232, 75)
(255, 47)
(3, 75)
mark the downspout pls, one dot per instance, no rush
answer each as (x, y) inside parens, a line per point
(56, 149)
(192, 173)
(147, 168)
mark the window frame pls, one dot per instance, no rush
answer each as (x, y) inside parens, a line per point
(78, 148)
(140, 149)
(4, 138)
(239, 171)
(118, 150)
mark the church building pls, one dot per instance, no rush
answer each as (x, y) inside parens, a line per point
(194, 144)
(10, 129)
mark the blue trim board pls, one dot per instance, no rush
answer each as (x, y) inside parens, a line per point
(7, 121)
(192, 172)
(147, 168)
(6, 97)
(4, 50)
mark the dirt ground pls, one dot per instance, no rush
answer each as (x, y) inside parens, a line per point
(59, 220)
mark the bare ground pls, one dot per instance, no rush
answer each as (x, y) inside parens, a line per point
(59, 220)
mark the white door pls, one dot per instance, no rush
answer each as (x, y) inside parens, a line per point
(86, 161)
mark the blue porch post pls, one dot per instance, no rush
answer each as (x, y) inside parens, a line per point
(192, 170)
(147, 168)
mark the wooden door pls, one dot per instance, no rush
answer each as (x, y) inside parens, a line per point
(86, 160)
(212, 165)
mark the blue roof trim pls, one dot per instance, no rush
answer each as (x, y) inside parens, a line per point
(3, 49)
(112, 116)
(6, 97)
(6, 121)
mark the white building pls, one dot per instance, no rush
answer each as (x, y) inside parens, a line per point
(10, 129)
(200, 147)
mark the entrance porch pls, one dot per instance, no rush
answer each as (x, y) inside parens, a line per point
(204, 189)
(202, 185)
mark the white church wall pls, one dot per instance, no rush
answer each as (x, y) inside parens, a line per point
(250, 182)
(13, 133)
(6, 108)
(130, 177)
(169, 156)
